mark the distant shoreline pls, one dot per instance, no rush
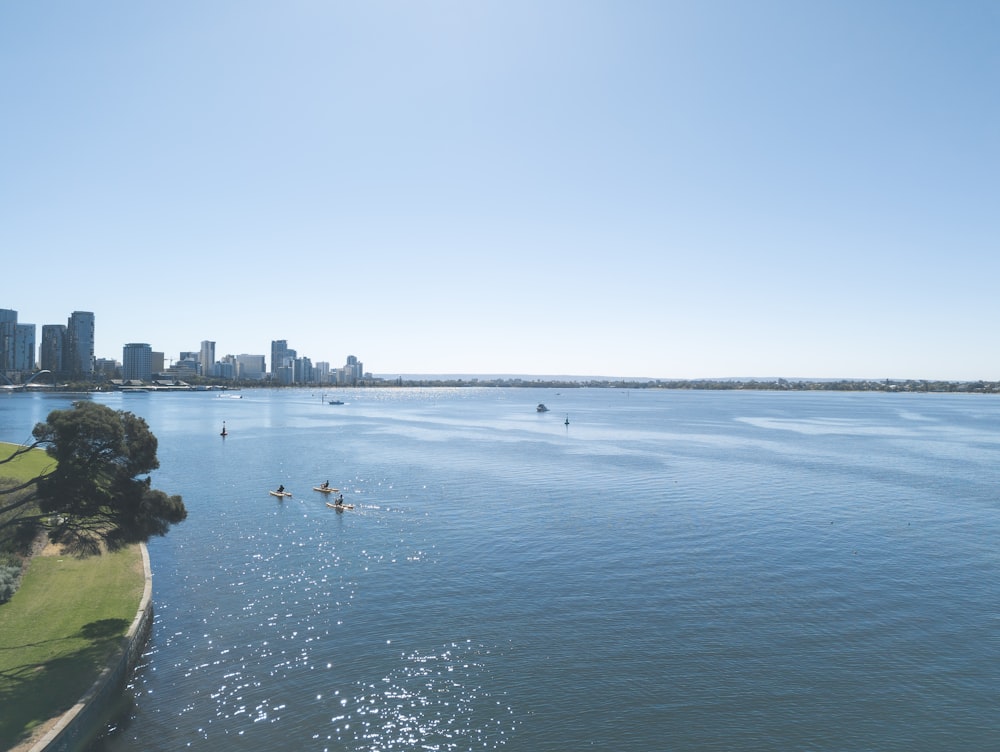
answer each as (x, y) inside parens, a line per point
(771, 384)
(777, 384)
(559, 382)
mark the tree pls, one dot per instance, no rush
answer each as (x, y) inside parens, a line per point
(94, 494)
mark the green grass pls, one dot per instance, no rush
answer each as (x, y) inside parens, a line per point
(57, 632)
(26, 466)
(64, 622)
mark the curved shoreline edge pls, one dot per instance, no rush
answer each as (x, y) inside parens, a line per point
(79, 725)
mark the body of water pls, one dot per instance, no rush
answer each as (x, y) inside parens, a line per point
(672, 570)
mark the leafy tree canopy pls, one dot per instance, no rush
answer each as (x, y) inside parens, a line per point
(96, 493)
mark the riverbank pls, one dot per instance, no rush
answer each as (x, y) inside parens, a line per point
(68, 638)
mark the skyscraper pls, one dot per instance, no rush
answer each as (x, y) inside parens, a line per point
(279, 352)
(17, 347)
(52, 351)
(79, 355)
(24, 348)
(207, 357)
(355, 369)
(8, 336)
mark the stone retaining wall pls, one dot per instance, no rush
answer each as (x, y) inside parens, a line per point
(79, 725)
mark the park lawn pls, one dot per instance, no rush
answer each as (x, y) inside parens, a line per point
(25, 467)
(58, 631)
(31, 465)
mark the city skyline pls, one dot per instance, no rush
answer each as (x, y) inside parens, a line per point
(67, 350)
(140, 363)
(662, 190)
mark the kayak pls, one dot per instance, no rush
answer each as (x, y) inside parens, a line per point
(326, 490)
(280, 494)
(339, 507)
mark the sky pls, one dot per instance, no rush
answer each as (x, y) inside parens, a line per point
(669, 189)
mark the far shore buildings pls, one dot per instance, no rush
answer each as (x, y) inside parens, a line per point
(287, 368)
(17, 347)
(250, 367)
(66, 351)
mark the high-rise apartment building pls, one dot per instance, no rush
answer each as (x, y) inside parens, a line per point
(279, 355)
(283, 368)
(24, 348)
(137, 362)
(207, 357)
(302, 370)
(52, 352)
(8, 335)
(79, 353)
(17, 347)
(355, 369)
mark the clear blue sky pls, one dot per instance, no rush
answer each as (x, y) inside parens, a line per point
(664, 189)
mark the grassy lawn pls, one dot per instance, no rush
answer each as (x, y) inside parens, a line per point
(58, 630)
(56, 633)
(26, 466)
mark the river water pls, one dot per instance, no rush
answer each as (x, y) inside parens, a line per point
(672, 570)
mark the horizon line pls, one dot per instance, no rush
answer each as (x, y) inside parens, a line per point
(579, 377)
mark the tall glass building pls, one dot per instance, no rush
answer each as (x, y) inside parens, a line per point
(51, 354)
(79, 354)
(8, 335)
(207, 357)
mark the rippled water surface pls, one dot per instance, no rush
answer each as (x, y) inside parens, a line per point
(670, 571)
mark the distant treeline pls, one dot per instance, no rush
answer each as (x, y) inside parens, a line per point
(788, 385)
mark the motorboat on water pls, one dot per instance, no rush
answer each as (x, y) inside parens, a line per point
(542, 408)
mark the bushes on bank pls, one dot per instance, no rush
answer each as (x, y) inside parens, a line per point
(15, 543)
(10, 577)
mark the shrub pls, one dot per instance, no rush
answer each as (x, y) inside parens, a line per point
(10, 578)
